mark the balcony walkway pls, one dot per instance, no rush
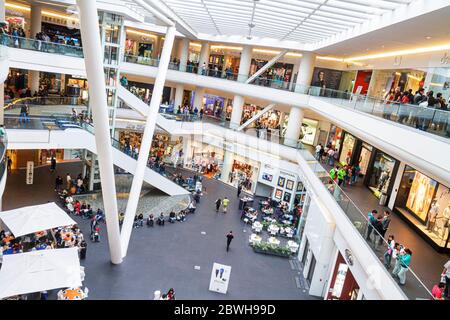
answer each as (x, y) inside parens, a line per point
(425, 260)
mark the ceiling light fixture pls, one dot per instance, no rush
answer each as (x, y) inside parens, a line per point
(401, 52)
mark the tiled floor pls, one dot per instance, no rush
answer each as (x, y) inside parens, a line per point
(162, 257)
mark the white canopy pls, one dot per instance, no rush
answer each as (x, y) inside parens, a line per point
(32, 219)
(40, 270)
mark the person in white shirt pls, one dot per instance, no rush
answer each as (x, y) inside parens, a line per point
(389, 252)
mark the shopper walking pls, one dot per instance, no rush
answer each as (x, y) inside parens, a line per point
(385, 222)
(230, 237)
(68, 181)
(389, 252)
(218, 203)
(58, 183)
(372, 217)
(404, 259)
(239, 189)
(225, 203)
(52, 164)
(341, 176)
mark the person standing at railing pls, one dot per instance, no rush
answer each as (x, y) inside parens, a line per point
(24, 110)
(15, 37)
(3, 34)
(204, 69)
(389, 252)
(404, 261)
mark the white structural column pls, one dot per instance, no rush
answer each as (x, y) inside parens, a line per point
(238, 101)
(147, 139)
(198, 98)
(183, 53)
(179, 90)
(294, 127)
(227, 165)
(187, 149)
(92, 172)
(305, 72)
(35, 27)
(204, 57)
(93, 59)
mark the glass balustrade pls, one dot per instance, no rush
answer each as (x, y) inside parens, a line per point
(428, 119)
(39, 45)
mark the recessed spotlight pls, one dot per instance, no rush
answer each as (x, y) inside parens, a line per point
(382, 46)
(367, 49)
(428, 37)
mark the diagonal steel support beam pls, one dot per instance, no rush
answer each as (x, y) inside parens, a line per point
(256, 116)
(266, 66)
(147, 138)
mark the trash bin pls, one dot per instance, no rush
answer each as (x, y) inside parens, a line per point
(383, 199)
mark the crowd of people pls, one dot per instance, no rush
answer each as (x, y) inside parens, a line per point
(61, 237)
(422, 118)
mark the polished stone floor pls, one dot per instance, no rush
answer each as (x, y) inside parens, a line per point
(163, 257)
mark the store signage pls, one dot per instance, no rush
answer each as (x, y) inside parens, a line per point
(398, 60)
(445, 59)
(30, 172)
(287, 174)
(220, 277)
(348, 257)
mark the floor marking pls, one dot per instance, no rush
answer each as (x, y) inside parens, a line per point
(297, 282)
(203, 232)
(291, 263)
(196, 267)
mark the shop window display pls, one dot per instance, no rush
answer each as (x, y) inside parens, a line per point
(206, 163)
(242, 173)
(348, 146)
(426, 203)
(269, 120)
(277, 76)
(334, 138)
(381, 173)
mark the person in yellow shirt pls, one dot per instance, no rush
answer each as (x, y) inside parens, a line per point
(225, 203)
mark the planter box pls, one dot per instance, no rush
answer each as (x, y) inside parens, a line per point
(273, 253)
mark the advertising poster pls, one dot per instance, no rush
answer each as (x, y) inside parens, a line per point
(220, 277)
(309, 130)
(328, 78)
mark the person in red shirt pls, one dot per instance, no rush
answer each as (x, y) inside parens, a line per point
(77, 208)
(438, 290)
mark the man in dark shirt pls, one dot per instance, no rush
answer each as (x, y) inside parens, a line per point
(230, 237)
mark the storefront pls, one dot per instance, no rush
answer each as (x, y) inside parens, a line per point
(425, 204)
(380, 172)
(343, 285)
(19, 158)
(139, 44)
(67, 35)
(80, 82)
(205, 159)
(244, 171)
(335, 137)
(348, 149)
(271, 119)
(144, 91)
(214, 105)
(383, 81)
(277, 76)
(362, 82)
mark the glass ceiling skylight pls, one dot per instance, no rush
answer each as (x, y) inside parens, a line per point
(304, 21)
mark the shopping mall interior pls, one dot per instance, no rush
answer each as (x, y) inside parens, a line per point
(233, 149)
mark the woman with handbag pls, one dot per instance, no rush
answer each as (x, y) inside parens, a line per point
(389, 252)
